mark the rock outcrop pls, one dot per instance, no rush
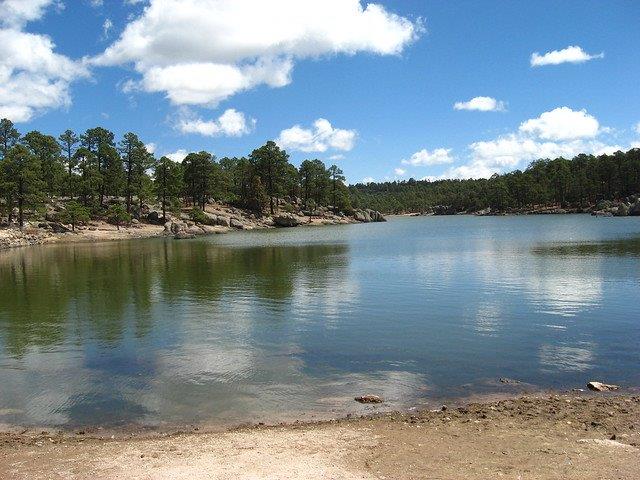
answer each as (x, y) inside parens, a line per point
(287, 220)
(601, 387)
(368, 215)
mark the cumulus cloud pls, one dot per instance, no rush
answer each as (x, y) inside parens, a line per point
(399, 171)
(16, 13)
(637, 128)
(230, 124)
(562, 124)
(177, 156)
(481, 104)
(572, 54)
(561, 132)
(439, 156)
(200, 52)
(33, 78)
(368, 180)
(320, 138)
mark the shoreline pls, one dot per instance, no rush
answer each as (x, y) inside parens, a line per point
(223, 219)
(599, 432)
(12, 238)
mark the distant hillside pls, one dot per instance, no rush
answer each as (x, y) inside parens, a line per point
(579, 183)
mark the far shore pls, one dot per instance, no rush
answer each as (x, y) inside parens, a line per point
(571, 435)
(227, 219)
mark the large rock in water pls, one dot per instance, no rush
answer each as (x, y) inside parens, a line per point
(286, 220)
(601, 387)
(368, 215)
(634, 210)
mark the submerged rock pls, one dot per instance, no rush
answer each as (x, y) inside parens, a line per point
(368, 399)
(183, 236)
(601, 387)
(509, 381)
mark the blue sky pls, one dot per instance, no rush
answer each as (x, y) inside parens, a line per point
(370, 87)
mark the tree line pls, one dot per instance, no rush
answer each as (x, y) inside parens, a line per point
(99, 177)
(580, 182)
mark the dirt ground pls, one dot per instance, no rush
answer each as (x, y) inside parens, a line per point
(564, 436)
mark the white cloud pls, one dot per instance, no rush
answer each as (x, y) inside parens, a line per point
(33, 78)
(482, 104)
(151, 147)
(107, 26)
(177, 156)
(399, 171)
(368, 180)
(572, 54)
(16, 13)
(561, 132)
(337, 156)
(230, 124)
(320, 138)
(562, 124)
(439, 156)
(200, 52)
(637, 128)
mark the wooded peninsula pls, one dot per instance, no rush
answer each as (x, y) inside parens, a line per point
(92, 176)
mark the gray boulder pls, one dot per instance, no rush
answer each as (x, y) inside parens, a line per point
(222, 221)
(58, 228)
(235, 223)
(154, 218)
(622, 211)
(286, 220)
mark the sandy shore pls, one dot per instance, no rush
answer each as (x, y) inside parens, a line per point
(568, 436)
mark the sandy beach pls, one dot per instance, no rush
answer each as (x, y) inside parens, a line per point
(577, 435)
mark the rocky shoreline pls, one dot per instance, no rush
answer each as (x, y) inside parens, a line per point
(571, 435)
(626, 207)
(216, 219)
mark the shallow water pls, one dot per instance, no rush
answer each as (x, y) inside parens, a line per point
(292, 323)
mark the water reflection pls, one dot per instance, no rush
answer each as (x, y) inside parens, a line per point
(618, 247)
(279, 324)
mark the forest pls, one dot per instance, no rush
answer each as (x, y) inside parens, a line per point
(580, 182)
(99, 177)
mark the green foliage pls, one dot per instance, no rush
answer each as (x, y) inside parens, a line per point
(74, 213)
(578, 183)
(9, 136)
(198, 216)
(22, 184)
(92, 170)
(201, 177)
(168, 183)
(270, 165)
(117, 214)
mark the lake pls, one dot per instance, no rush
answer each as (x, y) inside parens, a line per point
(293, 323)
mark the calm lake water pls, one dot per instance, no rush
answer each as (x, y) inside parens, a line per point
(282, 324)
